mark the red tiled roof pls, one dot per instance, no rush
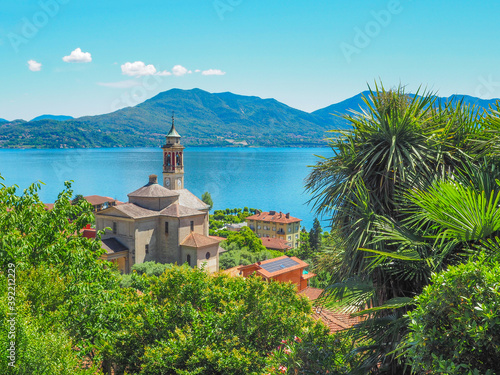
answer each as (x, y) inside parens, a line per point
(277, 217)
(275, 243)
(311, 293)
(95, 200)
(198, 240)
(263, 272)
(335, 321)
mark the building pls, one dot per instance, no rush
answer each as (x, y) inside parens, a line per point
(275, 244)
(274, 224)
(100, 203)
(283, 269)
(235, 227)
(165, 224)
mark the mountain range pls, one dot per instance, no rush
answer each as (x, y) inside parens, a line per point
(202, 118)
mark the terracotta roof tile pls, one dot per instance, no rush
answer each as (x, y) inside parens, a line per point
(275, 243)
(335, 321)
(198, 240)
(98, 199)
(311, 293)
(277, 217)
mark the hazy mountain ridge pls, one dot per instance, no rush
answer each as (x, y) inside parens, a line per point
(202, 118)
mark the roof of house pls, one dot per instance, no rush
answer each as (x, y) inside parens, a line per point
(188, 199)
(177, 210)
(98, 199)
(112, 245)
(152, 190)
(280, 265)
(198, 240)
(335, 321)
(233, 271)
(311, 293)
(276, 217)
(275, 243)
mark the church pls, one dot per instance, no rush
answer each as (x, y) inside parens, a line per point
(165, 224)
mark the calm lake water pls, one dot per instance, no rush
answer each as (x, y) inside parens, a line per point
(265, 178)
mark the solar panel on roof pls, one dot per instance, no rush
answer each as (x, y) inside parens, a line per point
(279, 265)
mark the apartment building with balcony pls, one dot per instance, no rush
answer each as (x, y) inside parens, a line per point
(275, 224)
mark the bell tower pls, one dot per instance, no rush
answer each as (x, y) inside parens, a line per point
(173, 160)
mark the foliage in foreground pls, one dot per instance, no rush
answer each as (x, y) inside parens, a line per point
(455, 327)
(411, 189)
(72, 312)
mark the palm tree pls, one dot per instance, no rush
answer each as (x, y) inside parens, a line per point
(396, 151)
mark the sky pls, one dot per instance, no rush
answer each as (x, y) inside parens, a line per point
(88, 57)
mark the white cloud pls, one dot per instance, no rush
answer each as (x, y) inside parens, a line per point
(138, 69)
(213, 72)
(34, 66)
(77, 56)
(164, 73)
(197, 71)
(179, 70)
(120, 84)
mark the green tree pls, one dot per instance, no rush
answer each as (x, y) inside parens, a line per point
(246, 238)
(315, 235)
(399, 145)
(455, 327)
(207, 199)
(77, 199)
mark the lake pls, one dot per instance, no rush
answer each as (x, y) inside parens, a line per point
(264, 178)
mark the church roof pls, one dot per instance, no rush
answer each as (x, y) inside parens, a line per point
(131, 210)
(153, 191)
(173, 132)
(188, 199)
(177, 210)
(112, 245)
(198, 240)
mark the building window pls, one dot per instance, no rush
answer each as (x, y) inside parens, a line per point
(289, 230)
(296, 236)
(274, 228)
(258, 226)
(296, 228)
(207, 255)
(147, 248)
(166, 226)
(114, 227)
(188, 260)
(289, 238)
(192, 226)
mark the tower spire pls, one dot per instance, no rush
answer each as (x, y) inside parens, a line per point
(173, 133)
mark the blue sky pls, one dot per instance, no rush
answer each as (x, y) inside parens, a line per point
(307, 54)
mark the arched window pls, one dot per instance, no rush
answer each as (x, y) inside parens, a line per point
(188, 260)
(168, 162)
(177, 159)
(207, 255)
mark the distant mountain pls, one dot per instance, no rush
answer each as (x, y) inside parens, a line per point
(3, 120)
(202, 118)
(357, 104)
(53, 117)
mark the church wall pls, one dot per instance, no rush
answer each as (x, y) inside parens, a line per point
(185, 229)
(145, 234)
(212, 264)
(124, 229)
(168, 249)
(155, 204)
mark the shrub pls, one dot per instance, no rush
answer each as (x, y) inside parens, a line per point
(455, 327)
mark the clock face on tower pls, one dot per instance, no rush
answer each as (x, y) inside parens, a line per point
(179, 182)
(167, 182)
